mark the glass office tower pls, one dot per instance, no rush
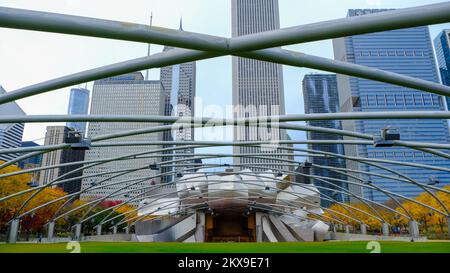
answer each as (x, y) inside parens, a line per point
(442, 46)
(78, 105)
(404, 51)
(321, 96)
(127, 94)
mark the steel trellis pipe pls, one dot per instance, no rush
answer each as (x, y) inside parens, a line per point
(100, 200)
(77, 25)
(438, 211)
(398, 203)
(366, 163)
(59, 23)
(21, 93)
(301, 185)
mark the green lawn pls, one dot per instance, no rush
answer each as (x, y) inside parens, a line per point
(316, 247)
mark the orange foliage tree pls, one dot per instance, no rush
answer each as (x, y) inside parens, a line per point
(17, 183)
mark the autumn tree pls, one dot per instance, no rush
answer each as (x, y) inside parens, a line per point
(8, 208)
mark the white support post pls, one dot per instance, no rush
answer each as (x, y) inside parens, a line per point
(50, 231)
(259, 230)
(448, 225)
(78, 232)
(347, 229)
(99, 230)
(200, 231)
(414, 229)
(127, 230)
(115, 230)
(385, 229)
(363, 228)
(13, 231)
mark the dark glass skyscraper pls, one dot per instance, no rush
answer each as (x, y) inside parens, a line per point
(404, 51)
(321, 96)
(78, 105)
(442, 46)
(58, 135)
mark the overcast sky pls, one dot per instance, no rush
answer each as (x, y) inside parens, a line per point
(28, 57)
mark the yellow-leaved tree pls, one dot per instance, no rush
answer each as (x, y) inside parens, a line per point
(17, 183)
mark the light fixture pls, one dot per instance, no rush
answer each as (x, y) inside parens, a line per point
(433, 180)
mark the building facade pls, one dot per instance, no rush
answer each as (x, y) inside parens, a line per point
(58, 135)
(257, 86)
(404, 51)
(321, 96)
(32, 162)
(179, 82)
(10, 134)
(78, 105)
(127, 94)
(442, 46)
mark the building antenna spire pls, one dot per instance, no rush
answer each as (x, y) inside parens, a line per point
(181, 23)
(149, 46)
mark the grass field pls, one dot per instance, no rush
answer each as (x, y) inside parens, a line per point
(316, 247)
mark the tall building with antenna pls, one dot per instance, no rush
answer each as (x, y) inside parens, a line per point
(257, 86)
(149, 49)
(179, 82)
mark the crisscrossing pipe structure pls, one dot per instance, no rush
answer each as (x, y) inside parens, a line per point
(265, 46)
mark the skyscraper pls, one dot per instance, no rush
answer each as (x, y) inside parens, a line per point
(321, 96)
(78, 105)
(32, 162)
(10, 134)
(257, 86)
(179, 84)
(404, 51)
(127, 94)
(442, 46)
(58, 135)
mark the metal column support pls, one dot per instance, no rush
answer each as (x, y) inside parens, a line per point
(448, 225)
(78, 232)
(414, 229)
(99, 230)
(347, 229)
(259, 229)
(115, 230)
(50, 230)
(385, 229)
(13, 231)
(363, 228)
(200, 231)
(333, 232)
(127, 230)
